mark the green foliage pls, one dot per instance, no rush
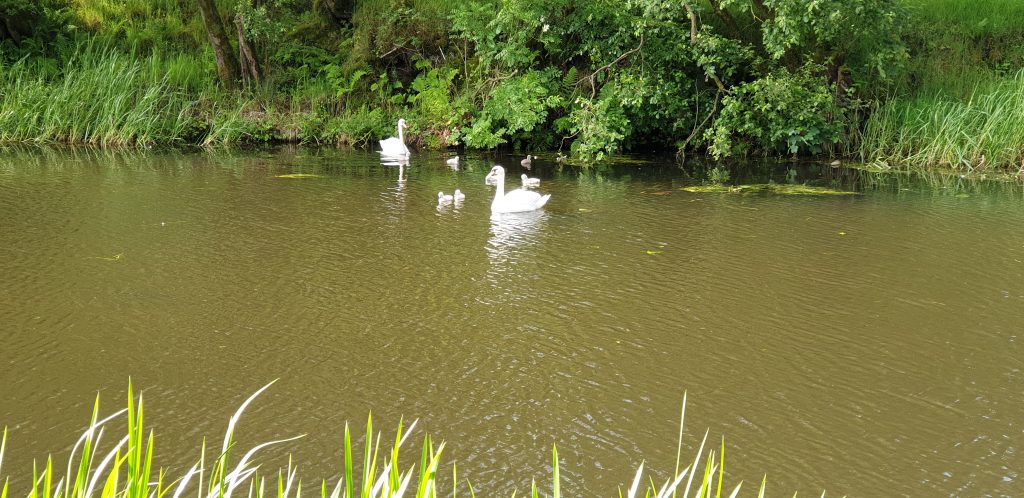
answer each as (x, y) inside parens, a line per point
(599, 126)
(432, 101)
(978, 133)
(32, 27)
(141, 24)
(602, 76)
(515, 107)
(391, 34)
(977, 18)
(361, 127)
(862, 36)
(101, 97)
(782, 112)
(958, 106)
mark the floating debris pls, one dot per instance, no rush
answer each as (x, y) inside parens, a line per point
(116, 257)
(767, 188)
(299, 175)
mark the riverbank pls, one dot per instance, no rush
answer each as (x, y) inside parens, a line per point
(897, 83)
(961, 104)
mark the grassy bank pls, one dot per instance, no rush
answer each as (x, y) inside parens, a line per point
(126, 469)
(588, 78)
(100, 97)
(983, 131)
(103, 96)
(920, 83)
(961, 102)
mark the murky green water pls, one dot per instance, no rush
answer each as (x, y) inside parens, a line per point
(865, 345)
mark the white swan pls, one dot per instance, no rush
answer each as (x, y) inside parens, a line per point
(527, 162)
(395, 146)
(516, 201)
(459, 196)
(444, 199)
(530, 182)
(453, 162)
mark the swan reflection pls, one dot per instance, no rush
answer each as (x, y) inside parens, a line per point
(512, 232)
(394, 197)
(393, 160)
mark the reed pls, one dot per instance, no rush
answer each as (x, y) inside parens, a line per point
(128, 470)
(975, 17)
(982, 132)
(100, 97)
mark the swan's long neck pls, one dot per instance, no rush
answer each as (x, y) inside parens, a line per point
(401, 136)
(499, 190)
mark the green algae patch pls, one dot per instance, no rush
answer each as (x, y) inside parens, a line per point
(299, 175)
(767, 188)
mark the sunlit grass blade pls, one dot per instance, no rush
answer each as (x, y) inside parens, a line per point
(348, 462)
(721, 469)
(636, 481)
(125, 470)
(3, 448)
(556, 491)
(693, 466)
(679, 443)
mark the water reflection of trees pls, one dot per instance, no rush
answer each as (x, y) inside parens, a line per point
(937, 183)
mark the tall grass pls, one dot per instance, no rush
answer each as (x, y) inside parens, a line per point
(100, 96)
(973, 17)
(128, 470)
(982, 132)
(144, 24)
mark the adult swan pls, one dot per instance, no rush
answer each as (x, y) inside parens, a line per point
(516, 201)
(395, 146)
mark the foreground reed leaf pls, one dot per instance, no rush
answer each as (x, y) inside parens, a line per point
(125, 469)
(555, 491)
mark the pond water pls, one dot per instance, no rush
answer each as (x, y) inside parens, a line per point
(865, 345)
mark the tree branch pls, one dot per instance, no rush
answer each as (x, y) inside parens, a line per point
(726, 17)
(593, 76)
(696, 128)
(693, 40)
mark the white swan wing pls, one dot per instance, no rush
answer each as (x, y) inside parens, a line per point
(393, 146)
(520, 200)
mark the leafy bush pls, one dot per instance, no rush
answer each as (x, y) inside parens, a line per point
(516, 106)
(359, 128)
(433, 103)
(785, 112)
(599, 126)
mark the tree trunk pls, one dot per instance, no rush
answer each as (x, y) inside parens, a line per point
(250, 68)
(8, 31)
(227, 66)
(340, 11)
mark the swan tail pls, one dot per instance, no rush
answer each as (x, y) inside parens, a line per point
(543, 201)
